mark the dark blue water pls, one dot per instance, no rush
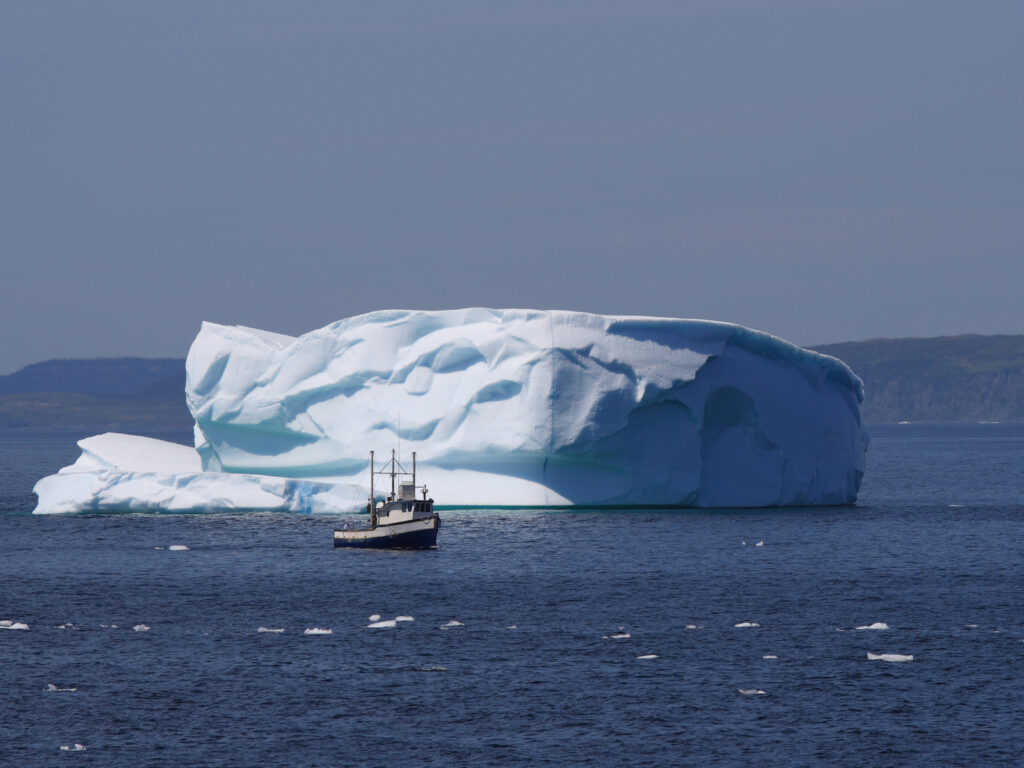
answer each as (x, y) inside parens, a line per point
(934, 549)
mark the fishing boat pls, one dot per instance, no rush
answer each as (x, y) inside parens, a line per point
(400, 520)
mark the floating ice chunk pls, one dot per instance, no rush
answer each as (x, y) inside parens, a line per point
(743, 543)
(8, 624)
(747, 624)
(276, 630)
(876, 625)
(318, 631)
(432, 669)
(375, 617)
(109, 626)
(381, 624)
(759, 544)
(119, 472)
(622, 634)
(889, 657)
(141, 628)
(649, 656)
(159, 547)
(751, 691)
(73, 748)
(52, 687)
(769, 656)
(404, 618)
(970, 626)
(695, 626)
(452, 623)
(511, 626)
(178, 548)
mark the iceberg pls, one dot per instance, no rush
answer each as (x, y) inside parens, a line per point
(509, 408)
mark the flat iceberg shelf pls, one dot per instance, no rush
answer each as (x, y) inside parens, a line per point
(506, 408)
(118, 473)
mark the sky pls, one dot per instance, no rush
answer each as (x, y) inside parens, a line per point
(824, 170)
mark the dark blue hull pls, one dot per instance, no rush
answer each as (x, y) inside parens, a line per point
(425, 538)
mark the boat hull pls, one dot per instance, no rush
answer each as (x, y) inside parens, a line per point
(412, 534)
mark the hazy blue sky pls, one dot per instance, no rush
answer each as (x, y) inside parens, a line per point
(825, 170)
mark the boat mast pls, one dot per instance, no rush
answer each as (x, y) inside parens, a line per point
(392, 473)
(371, 480)
(414, 474)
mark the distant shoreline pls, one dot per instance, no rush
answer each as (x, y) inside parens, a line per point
(969, 379)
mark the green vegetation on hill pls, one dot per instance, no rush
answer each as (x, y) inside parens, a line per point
(74, 412)
(946, 378)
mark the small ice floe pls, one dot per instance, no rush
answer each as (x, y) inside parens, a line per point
(955, 506)
(751, 692)
(52, 687)
(381, 624)
(889, 657)
(759, 544)
(141, 628)
(375, 617)
(876, 625)
(72, 747)
(178, 548)
(67, 625)
(452, 623)
(743, 543)
(272, 630)
(159, 547)
(109, 626)
(649, 656)
(622, 634)
(769, 656)
(695, 626)
(747, 624)
(511, 626)
(970, 626)
(8, 624)
(318, 631)
(431, 669)
(404, 618)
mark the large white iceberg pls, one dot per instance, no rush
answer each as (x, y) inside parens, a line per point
(504, 408)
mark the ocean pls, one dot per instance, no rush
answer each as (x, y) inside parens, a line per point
(742, 641)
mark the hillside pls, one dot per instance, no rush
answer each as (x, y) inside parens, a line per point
(163, 377)
(104, 394)
(945, 378)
